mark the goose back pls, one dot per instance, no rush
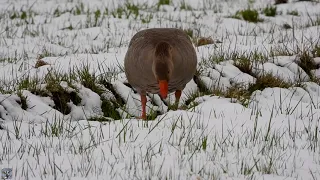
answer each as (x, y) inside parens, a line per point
(140, 55)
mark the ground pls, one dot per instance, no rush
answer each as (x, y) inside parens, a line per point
(252, 110)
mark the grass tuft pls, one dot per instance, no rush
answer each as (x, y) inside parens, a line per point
(53, 89)
(53, 129)
(204, 41)
(244, 64)
(28, 84)
(270, 11)
(201, 86)
(79, 9)
(109, 109)
(164, 2)
(185, 6)
(132, 9)
(293, 13)
(281, 1)
(250, 15)
(23, 100)
(189, 32)
(236, 91)
(307, 63)
(100, 119)
(88, 80)
(61, 98)
(91, 81)
(243, 94)
(268, 80)
(316, 51)
(40, 63)
(313, 21)
(286, 26)
(56, 12)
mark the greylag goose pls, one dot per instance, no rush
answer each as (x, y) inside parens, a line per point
(160, 61)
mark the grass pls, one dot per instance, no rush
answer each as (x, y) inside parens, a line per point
(281, 1)
(244, 64)
(307, 63)
(23, 100)
(239, 92)
(202, 90)
(109, 109)
(79, 9)
(270, 11)
(313, 21)
(250, 15)
(24, 16)
(163, 2)
(189, 32)
(9, 60)
(185, 6)
(61, 97)
(99, 146)
(268, 80)
(293, 13)
(235, 92)
(40, 63)
(316, 51)
(132, 9)
(204, 41)
(100, 86)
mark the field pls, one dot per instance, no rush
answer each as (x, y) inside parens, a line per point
(252, 110)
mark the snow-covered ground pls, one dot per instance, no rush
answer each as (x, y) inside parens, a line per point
(274, 135)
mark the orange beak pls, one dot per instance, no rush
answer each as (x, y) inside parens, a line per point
(163, 84)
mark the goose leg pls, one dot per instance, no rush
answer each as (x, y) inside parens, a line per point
(177, 95)
(143, 103)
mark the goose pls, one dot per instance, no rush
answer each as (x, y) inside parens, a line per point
(160, 61)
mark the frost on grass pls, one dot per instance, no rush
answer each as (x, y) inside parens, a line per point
(52, 123)
(211, 140)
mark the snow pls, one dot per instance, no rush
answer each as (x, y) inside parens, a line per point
(90, 105)
(234, 74)
(289, 62)
(274, 136)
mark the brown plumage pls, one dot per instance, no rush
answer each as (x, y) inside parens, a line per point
(160, 61)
